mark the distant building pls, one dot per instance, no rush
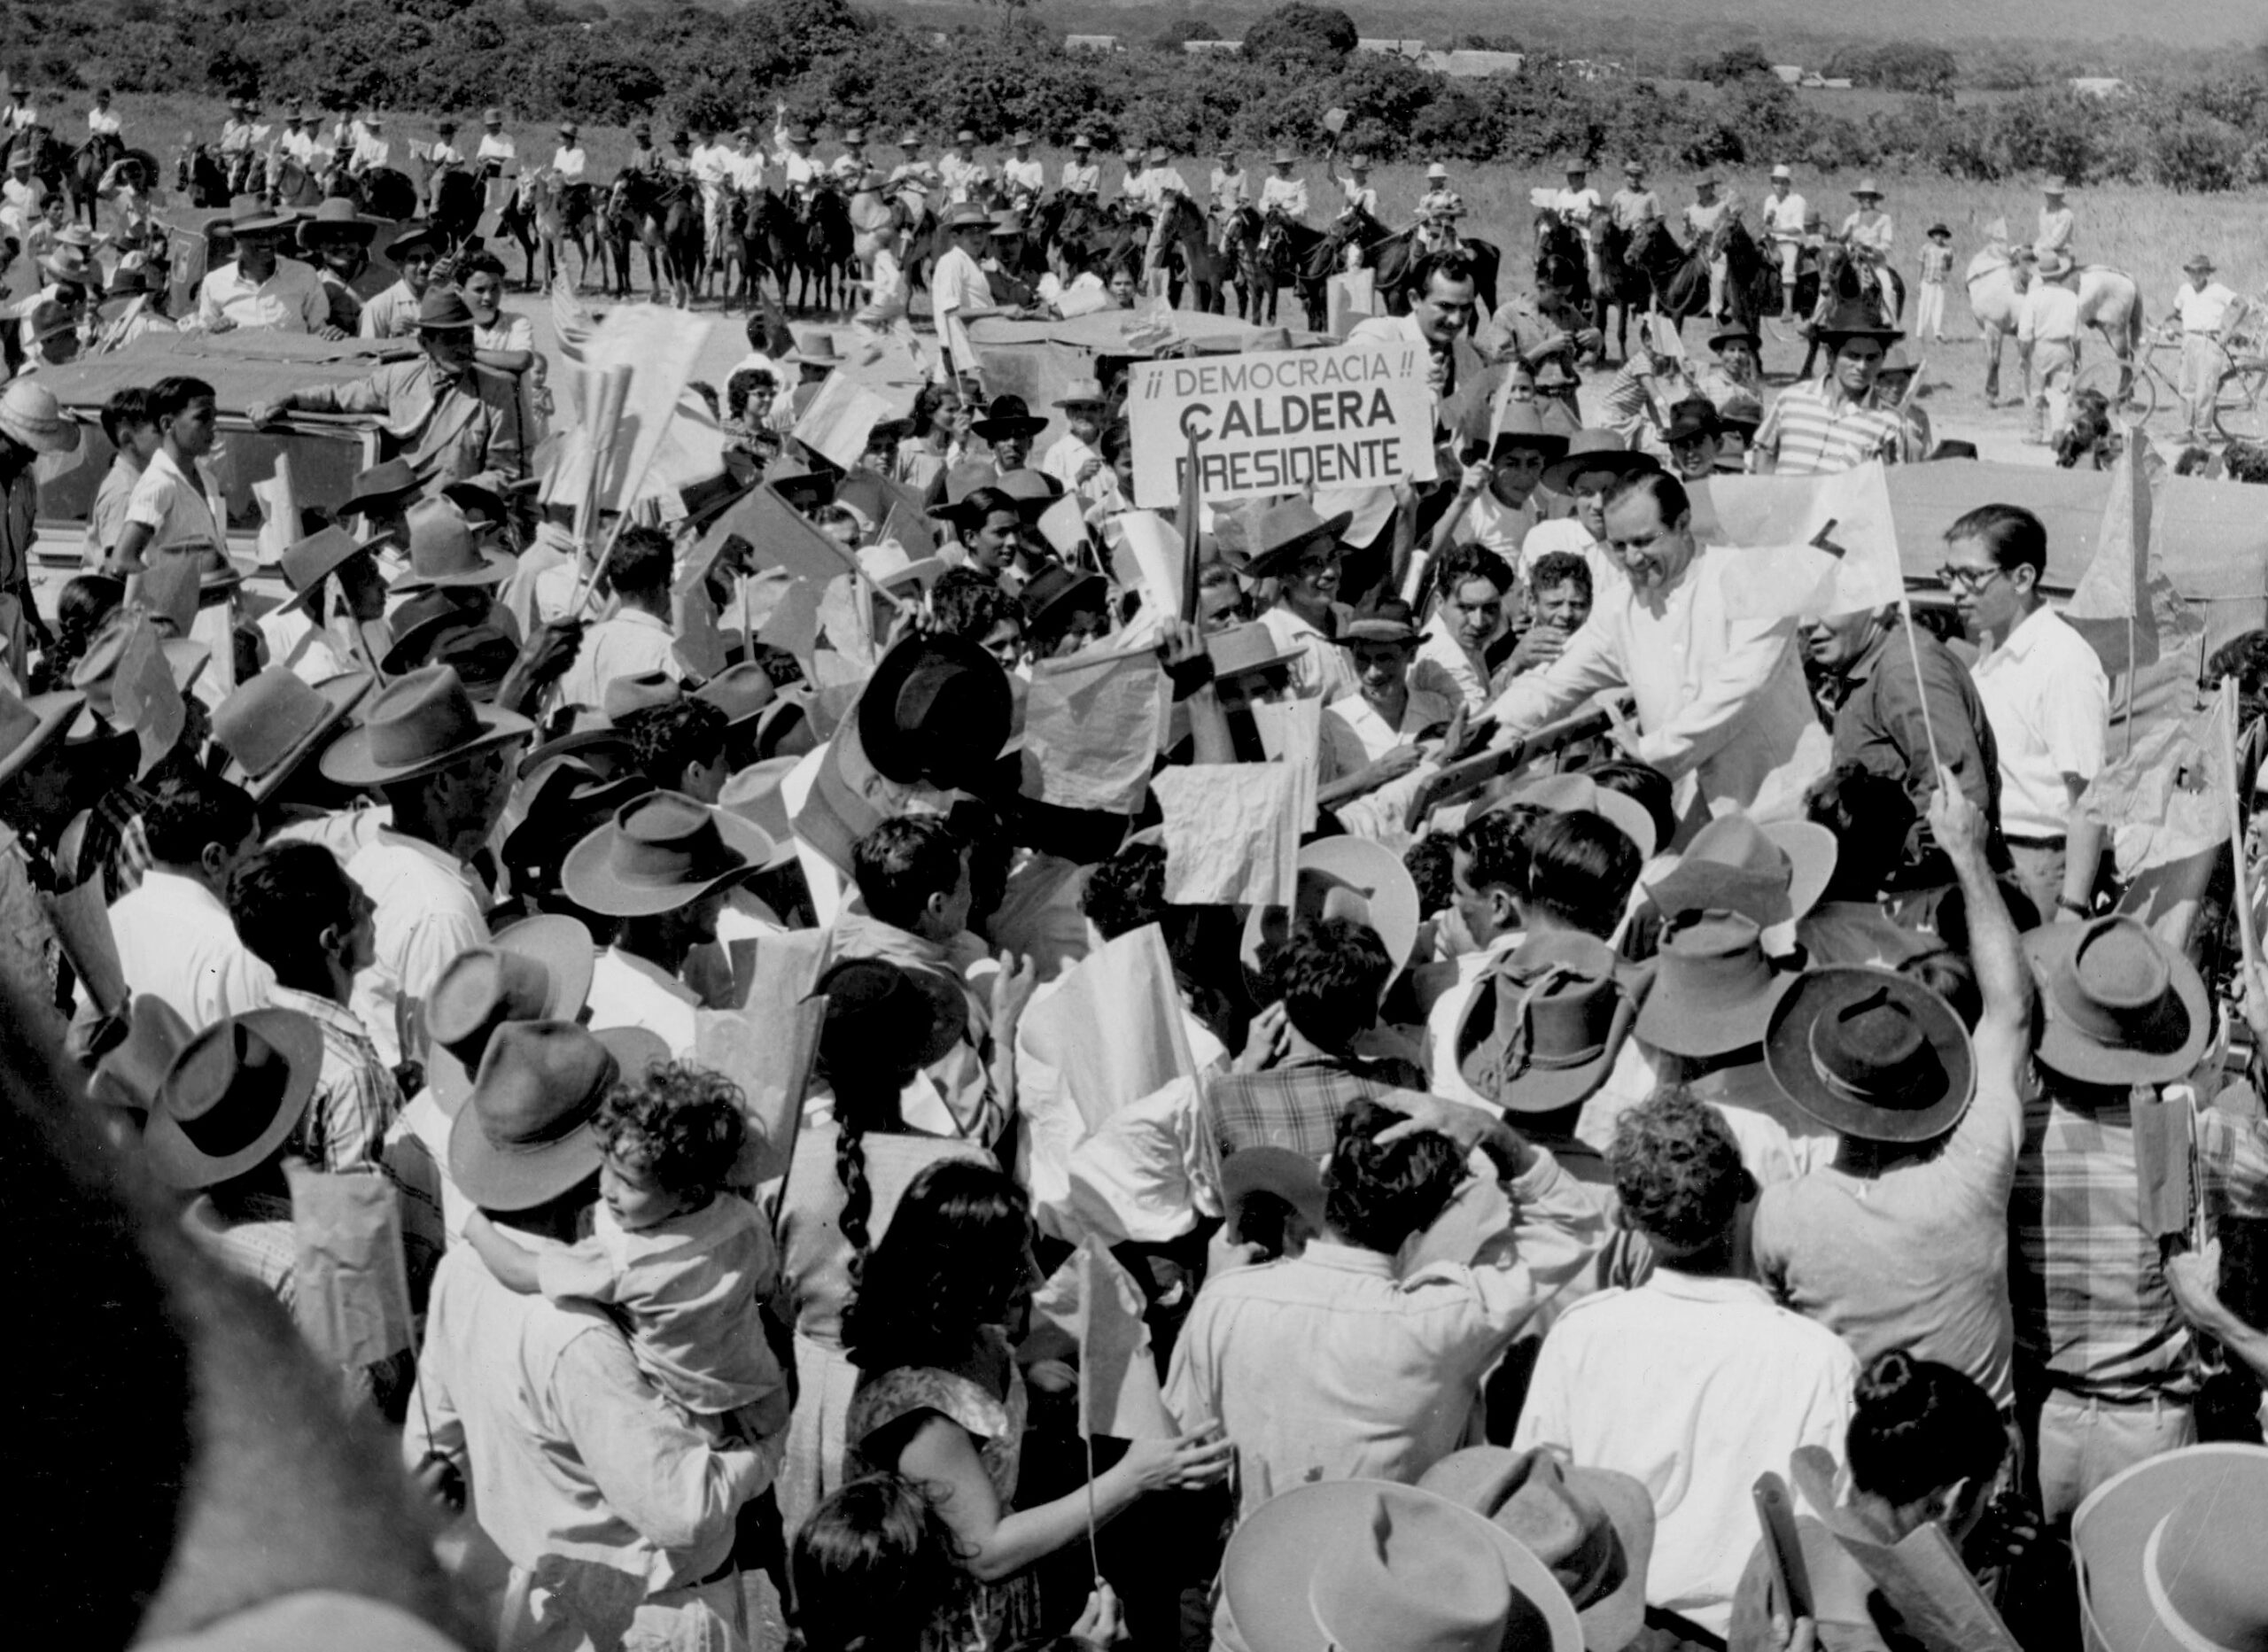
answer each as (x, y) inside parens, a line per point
(1473, 65)
(1385, 48)
(1789, 73)
(1836, 85)
(1208, 47)
(2097, 86)
(1092, 42)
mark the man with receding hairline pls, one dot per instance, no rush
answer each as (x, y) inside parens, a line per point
(1722, 708)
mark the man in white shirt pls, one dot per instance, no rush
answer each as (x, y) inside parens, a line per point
(1282, 193)
(2200, 308)
(444, 767)
(1722, 706)
(175, 939)
(744, 162)
(568, 161)
(1634, 206)
(2047, 333)
(176, 501)
(1227, 189)
(959, 294)
(792, 149)
(637, 638)
(372, 149)
(102, 120)
(1576, 200)
(1159, 185)
(237, 137)
(2046, 696)
(393, 313)
(1695, 1382)
(258, 289)
(1784, 226)
(957, 167)
(298, 140)
(495, 143)
(1080, 175)
(706, 165)
(1022, 177)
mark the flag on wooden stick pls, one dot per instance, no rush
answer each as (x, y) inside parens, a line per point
(2121, 599)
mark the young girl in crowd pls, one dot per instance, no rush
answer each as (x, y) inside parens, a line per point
(685, 1262)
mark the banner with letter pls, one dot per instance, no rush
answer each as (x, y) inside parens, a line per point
(1282, 422)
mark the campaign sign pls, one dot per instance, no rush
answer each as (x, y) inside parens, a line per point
(1282, 422)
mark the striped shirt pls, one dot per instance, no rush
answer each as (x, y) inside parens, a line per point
(1811, 434)
(356, 1098)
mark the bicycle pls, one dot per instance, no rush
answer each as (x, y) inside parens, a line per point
(2239, 410)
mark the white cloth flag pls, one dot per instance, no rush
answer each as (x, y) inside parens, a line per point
(1820, 545)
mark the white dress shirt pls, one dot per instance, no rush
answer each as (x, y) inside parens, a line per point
(429, 908)
(629, 643)
(2203, 309)
(496, 146)
(1783, 215)
(569, 162)
(1357, 735)
(958, 285)
(1722, 701)
(1322, 670)
(291, 300)
(1695, 1386)
(626, 990)
(103, 121)
(371, 151)
(177, 509)
(1287, 195)
(176, 941)
(2048, 702)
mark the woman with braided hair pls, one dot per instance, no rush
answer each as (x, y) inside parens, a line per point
(854, 1158)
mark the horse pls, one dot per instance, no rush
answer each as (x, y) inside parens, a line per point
(547, 213)
(1240, 239)
(389, 194)
(1191, 261)
(1841, 281)
(297, 185)
(1292, 255)
(198, 175)
(1557, 238)
(1676, 276)
(88, 163)
(663, 212)
(823, 242)
(1746, 267)
(457, 201)
(1618, 284)
(2109, 302)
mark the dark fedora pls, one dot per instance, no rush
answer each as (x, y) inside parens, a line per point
(1870, 1054)
(1690, 421)
(1524, 424)
(434, 628)
(1008, 416)
(937, 709)
(785, 727)
(421, 723)
(801, 484)
(527, 1137)
(1773, 871)
(1545, 1024)
(387, 483)
(1856, 318)
(1055, 592)
(27, 727)
(583, 732)
(1713, 991)
(536, 970)
(559, 804)
(1736, 334)
(335, 219)
(232, 1096)
(871, 1002)
(741, 691)
(1265, 540)
(2121, 1006)
(269, 724)
(1592, 450)
(1593, 1528)
(660, 852)
(307, 562)
(415, 233)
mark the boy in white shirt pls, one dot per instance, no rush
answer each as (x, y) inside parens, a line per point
(2200, 309)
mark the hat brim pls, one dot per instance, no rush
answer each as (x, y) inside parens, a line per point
(568, 745)
(364, 231)
(1360, 865)
(520, 1179)
(2063, 1047)
(590, 882)
(181, 1163)
(2111, 1531)
(495, 568)
(1824, 988)
(403, 243)
(1536, 1089)
(267, 225)
(54, 712)
(1005, 429)
(564, 947)
(341, 694)
(1681, 1030)
(907, 755)
(324, 570)
(358, 503)
(1269, 1567)
(1560, 475)
(1270, 564)
(351, 763)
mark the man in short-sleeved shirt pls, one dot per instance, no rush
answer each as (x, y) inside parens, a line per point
(1829, 424)
(958, 292)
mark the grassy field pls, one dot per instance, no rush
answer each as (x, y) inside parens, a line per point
(2149, 233)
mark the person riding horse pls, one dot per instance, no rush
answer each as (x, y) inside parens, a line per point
(1868, 234)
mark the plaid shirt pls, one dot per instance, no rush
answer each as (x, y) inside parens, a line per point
(114, 845)
(2094, 1313)
(1297, 1103)
(356, 1098)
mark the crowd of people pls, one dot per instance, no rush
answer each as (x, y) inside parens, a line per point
(1612, 1121)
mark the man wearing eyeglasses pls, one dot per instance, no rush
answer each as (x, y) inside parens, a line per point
(1722, 708)
(2046, 697)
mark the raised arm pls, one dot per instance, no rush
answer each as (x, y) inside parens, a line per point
(2003, 1031)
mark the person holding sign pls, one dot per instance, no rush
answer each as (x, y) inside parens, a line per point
(1299, 553)
(1721, 699)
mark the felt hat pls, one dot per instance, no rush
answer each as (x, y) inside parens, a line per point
(1389, 622)
(1080, 140)
(937, 709)
(1578, 794)
(232, 1096)
(1056, 591)
(307, 562)
(31, 415)
(492, 116)
(2120, 1006)
(216, 570)
(2054, 184)
(443, 310)
(1267, 1167)
(70, 264)
(1083, 393)
(814, 347)
(1284, 156)
(483, 504)
(1773, 872)
(336, 219)
(248, 214)
(1342, 877)
(1033, 491)
(536, 970)
(1545, 1023)
(381, 485)
(2168, 1553)
(435, 628)
(1008, 223)
(1007, 415)
(1690, 421)
(527, 1137)
(1866, 189)
(1596, 450)
(420, 723)
(1388, 1568)
(270, 723)
(568, 129)
(1857, 319)
(2054, 265)
(564, 799)
(754, 794)
(445, 554)
(1937, 229)
(575, 731)
(1735, 333)
(871, 1002)
(1242, 650)
(2199, 265)
(633, 692)
(1262, 541)
(967, 216)
(741, 691)
(1713, 991)
(1593, 1528)
(786, 726)
(1870, 1053)
(1525, 424)
(660, 852)
(132, 1074)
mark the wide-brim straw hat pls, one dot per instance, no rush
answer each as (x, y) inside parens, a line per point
(661, 852)
(421, 722)
(527, 1138)
(232, 1097)
(1343, 877)
(1713, 991)
(30, 413)
(2118, 1005)
(270, 723)
(1596, 450)
(2169, 1552)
